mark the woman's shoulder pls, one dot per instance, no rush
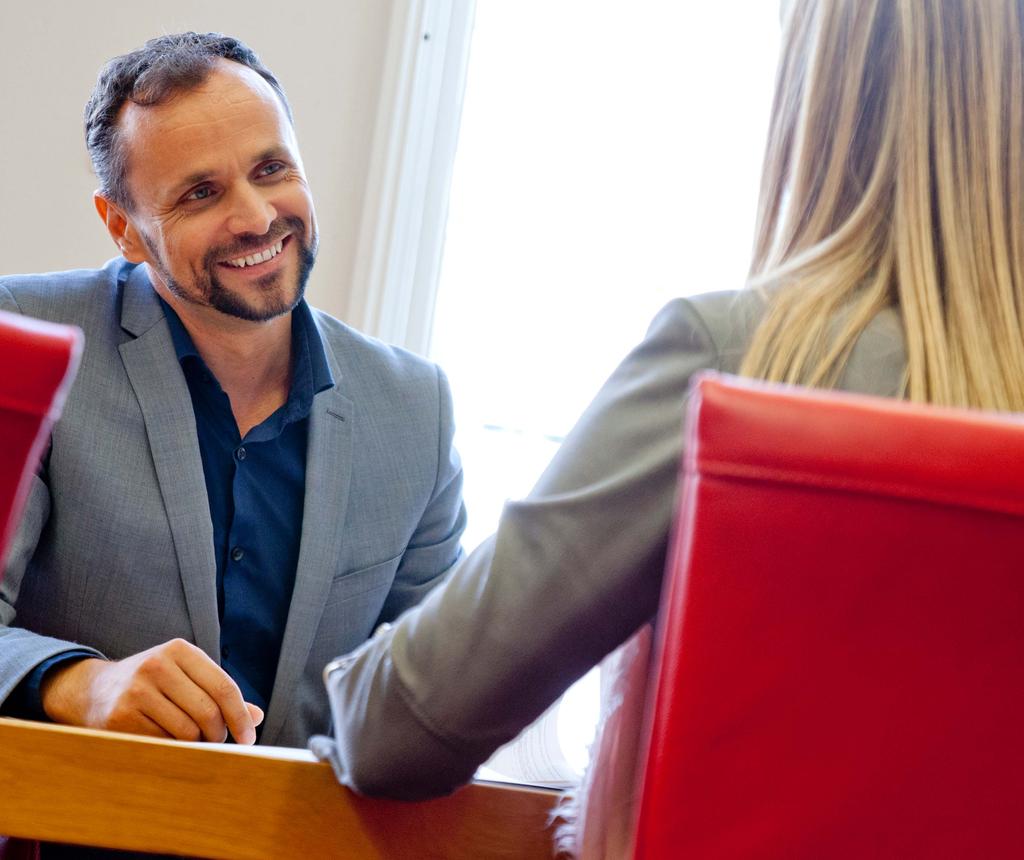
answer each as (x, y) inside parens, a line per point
(878, 360)
(724, 323)
(725, 320)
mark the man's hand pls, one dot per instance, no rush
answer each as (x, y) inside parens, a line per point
(173, 690)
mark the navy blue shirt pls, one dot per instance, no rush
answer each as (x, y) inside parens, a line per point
(255, 487)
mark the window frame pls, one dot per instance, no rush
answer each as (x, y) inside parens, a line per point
(401, 237)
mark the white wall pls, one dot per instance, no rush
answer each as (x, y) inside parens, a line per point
(328, 54)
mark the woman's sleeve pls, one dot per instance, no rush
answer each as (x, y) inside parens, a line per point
(572, 571)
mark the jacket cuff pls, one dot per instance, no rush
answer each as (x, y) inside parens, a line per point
(26, 700)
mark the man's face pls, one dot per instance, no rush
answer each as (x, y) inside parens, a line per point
(221, 211)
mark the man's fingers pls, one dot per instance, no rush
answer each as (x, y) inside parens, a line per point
(200, 710)
(142, 725)
(255, 712)
(219, 686)
(224, 691)
(170, 719)
(173, 699)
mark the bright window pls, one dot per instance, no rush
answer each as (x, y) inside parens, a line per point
(608, 160)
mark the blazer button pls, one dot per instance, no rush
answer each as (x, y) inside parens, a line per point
(237, 553)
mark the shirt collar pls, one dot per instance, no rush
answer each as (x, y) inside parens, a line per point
(304, 329)
(182, 340)
(311, 372)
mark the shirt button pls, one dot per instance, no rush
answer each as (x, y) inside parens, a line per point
(240, 453)
(237, 553)
(225, 652)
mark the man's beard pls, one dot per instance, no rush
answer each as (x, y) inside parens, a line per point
(207, 289)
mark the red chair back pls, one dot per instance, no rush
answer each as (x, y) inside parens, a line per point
(38, 361)
(840, 667)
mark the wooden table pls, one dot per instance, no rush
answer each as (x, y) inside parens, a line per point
(214, 800)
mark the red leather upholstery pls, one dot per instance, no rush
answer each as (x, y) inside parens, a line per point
(37, 363)
(841, 642)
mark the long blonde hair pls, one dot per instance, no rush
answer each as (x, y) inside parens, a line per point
(894, 176)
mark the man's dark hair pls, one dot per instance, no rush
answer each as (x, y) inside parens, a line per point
(152, 75)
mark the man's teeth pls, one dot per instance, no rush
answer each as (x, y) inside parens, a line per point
(261, 257)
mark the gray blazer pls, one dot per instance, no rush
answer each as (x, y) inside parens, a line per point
(115, 551)
(572, 571)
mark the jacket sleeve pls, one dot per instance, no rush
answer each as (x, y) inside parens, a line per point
(572, 571)
(21, 650)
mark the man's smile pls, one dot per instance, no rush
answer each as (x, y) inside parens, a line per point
(260, 257)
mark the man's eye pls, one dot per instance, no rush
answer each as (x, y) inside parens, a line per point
(271, 168)
(204, 192)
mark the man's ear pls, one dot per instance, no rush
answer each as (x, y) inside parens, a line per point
(120, 228)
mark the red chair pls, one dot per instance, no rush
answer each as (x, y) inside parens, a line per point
(38, 361)
(840, 653)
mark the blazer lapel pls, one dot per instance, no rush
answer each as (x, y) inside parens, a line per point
(328, 472)
(163, 395)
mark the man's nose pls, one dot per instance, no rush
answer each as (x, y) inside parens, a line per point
(250, 211)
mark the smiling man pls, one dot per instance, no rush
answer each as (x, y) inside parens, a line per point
(241, 487)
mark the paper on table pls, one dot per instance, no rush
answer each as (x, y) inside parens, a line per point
(290, 753)
(535, 757)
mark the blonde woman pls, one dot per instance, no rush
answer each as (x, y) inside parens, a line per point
(889, 259)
